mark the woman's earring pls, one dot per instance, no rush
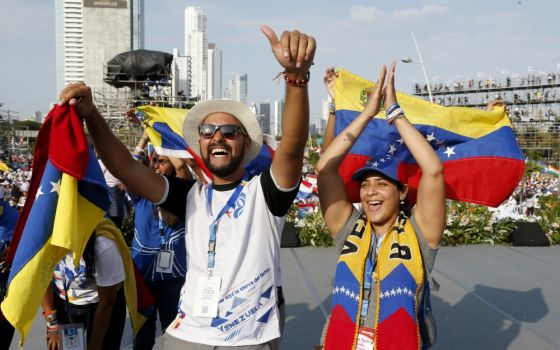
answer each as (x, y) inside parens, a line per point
(402, 201)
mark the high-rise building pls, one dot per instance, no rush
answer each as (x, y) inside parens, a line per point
(180, 69)
(89, 33)
(243, 88)
(214, 72)
(38, 116)
(263, 116)
(276, 118)
(237, 89)
(196, 47)
(323, 120)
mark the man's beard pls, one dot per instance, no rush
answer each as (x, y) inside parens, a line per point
(228, 169)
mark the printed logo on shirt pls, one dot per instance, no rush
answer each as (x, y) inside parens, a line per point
(245, 307)
(239, 205)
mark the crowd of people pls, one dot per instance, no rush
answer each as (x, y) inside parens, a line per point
(15, 181)
(488, 83)
(524, 202)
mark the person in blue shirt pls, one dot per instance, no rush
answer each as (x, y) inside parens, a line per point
(8, 220)
(159, 252)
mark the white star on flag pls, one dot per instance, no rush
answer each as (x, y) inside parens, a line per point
(375, 164)
(449, 151)
(39, 192)
(430, 137)
(382, 160)
(392, 149)
(401, 141)
(55, 187)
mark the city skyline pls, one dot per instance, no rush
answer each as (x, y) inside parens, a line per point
(458, 40)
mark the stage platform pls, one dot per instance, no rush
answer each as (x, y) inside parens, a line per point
(490, 298)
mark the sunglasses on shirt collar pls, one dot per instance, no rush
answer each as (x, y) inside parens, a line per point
(229, 131)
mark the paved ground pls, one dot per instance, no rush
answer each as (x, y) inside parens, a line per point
(490, 298)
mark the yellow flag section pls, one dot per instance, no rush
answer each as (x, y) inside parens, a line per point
(400, 249)
(107, 228)
(73, 228)
(400, 275)
(164, 126)
(4, 167)
(61, 220)
(351, 92)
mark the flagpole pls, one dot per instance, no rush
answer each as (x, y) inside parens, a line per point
(423, 67)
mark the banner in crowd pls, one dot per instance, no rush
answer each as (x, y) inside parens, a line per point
(481, 158)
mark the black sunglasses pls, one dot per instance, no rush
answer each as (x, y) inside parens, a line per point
(228, 131)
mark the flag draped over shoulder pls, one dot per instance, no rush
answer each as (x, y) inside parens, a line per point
(67, 198)
(481, 158)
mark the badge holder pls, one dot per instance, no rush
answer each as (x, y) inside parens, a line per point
(165, 260)
(366, 338)
(72, 336)
(207, 295)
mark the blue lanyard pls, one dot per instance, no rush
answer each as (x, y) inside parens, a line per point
(214, 225)
(161, 228)
(371, 261)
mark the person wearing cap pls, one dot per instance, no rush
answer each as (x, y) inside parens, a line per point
(381, 287)
(230, 297)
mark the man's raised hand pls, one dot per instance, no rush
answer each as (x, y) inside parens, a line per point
(294, 51)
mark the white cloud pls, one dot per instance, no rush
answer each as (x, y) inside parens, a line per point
(425, 11)
(366, 14)
(369, 14)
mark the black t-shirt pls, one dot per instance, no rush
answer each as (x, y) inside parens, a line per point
(278, 201)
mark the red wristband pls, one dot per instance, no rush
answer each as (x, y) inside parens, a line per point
(297, 82)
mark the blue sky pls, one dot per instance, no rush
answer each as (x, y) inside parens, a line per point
(458, 40)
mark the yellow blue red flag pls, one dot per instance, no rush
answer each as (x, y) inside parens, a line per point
(68, 197)
(164, 127)
(481, 158)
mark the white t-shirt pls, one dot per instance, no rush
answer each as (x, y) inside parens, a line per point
(247, 260)
(109, 270)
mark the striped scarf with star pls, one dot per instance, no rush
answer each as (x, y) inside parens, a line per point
(400, 277)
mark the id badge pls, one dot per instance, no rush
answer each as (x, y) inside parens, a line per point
(365, 338)
(206, 296)
(72, 337)
(164, 261)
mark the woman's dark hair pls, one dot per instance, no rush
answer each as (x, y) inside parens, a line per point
(88, 256)
(167, 217)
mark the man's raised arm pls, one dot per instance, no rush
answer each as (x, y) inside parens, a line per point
(114, 154)
(295, 52)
